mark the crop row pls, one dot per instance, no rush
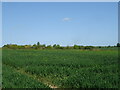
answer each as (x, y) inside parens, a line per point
(68, 68)
(13, 79)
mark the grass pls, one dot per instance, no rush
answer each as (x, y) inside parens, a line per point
(60, 68)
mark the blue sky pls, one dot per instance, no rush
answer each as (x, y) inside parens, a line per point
(0, 24)
(67, 23)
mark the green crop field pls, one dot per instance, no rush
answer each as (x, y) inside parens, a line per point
(60, 68)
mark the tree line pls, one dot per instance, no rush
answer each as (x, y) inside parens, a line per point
(55, 46)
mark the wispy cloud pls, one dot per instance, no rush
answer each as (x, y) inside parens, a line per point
(66, 19)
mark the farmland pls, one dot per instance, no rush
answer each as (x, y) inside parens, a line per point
(28, 68)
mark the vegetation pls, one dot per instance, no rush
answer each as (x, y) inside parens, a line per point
(118, 44)
(55, 46)
(56, 68)
(14, 79)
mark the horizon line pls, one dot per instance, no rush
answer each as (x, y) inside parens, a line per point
(57, 44)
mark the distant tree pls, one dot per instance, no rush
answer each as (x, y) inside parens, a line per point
(68, 47)
(27, 46)
(58, 46)
(21, 47)
(108, 46)
(54, 46)
(6, 46)
(61, 48)
(81, 47)
(88, 47)
(34, 46)
(49, 47)
(43, 46)
(38, 46)
(118, 44)
(11, 46)
(38, 43)
(76, 47)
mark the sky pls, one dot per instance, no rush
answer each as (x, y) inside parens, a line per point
(0, 25)
(64, 23)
